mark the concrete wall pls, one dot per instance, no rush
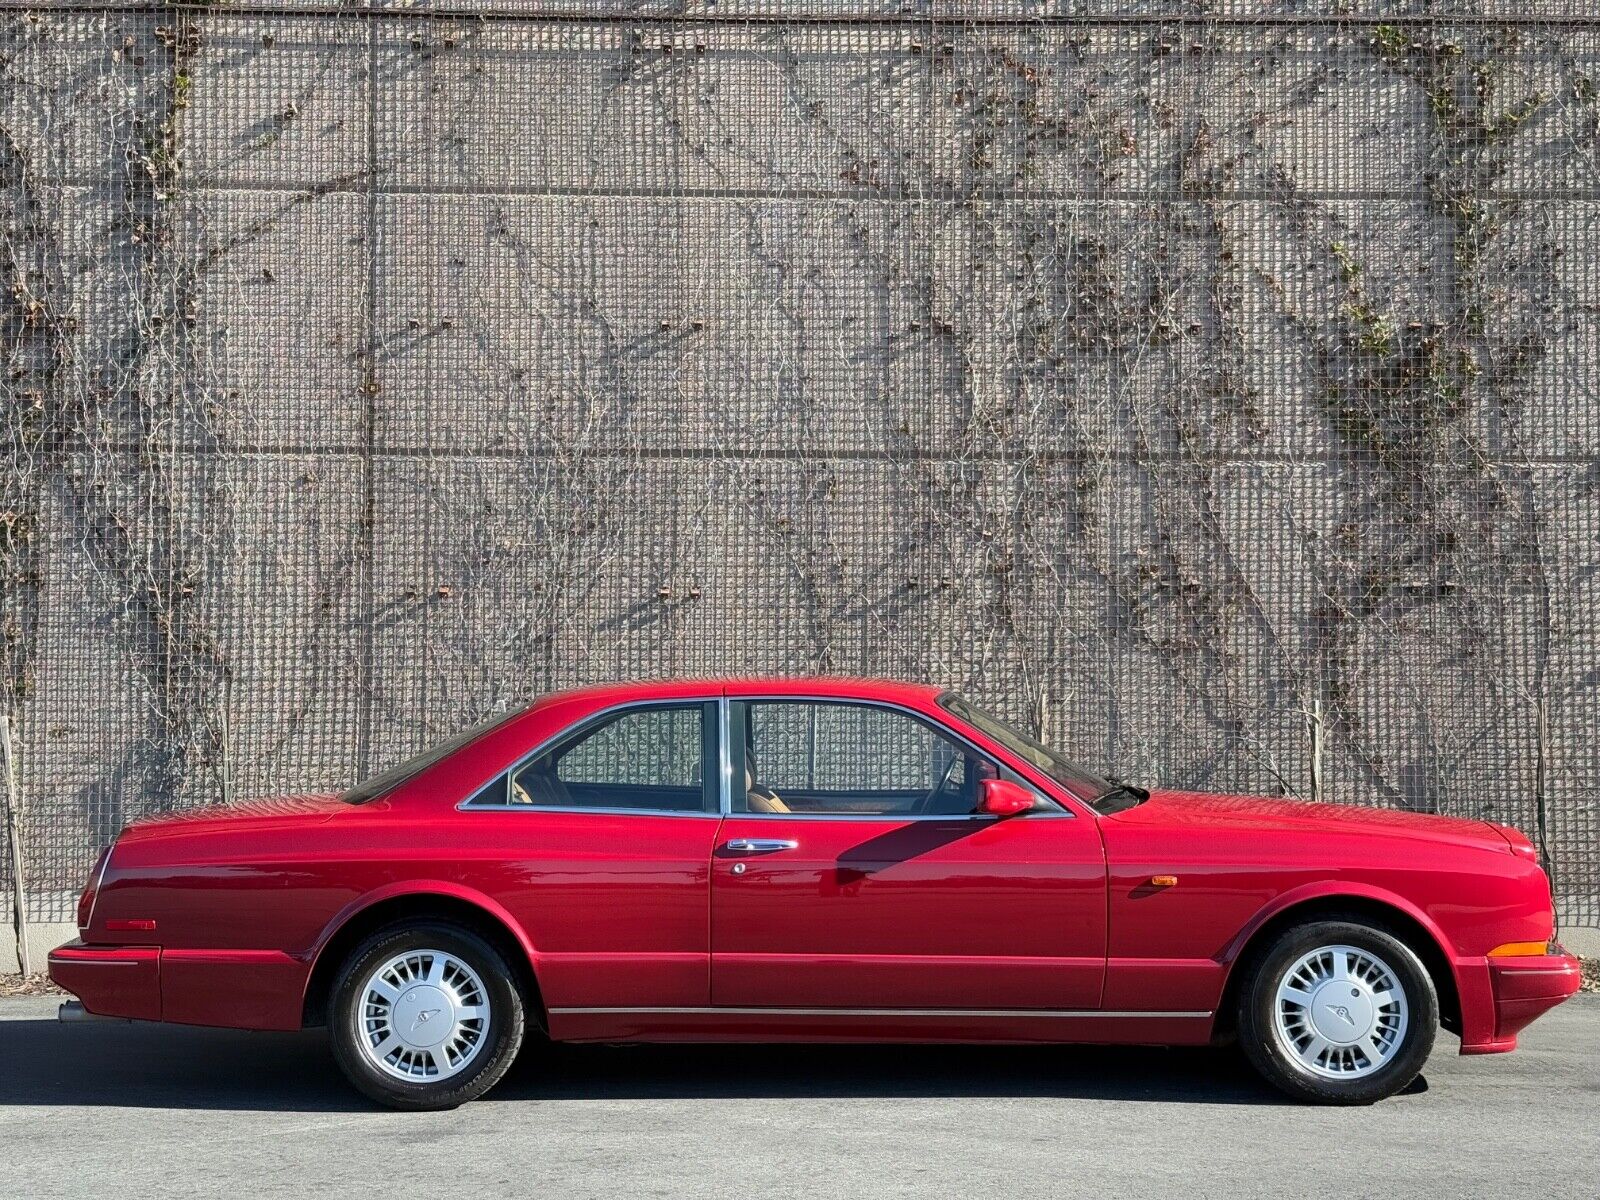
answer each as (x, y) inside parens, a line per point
(1217, 397)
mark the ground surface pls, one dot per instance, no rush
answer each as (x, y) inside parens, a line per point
(140, 1110)
(29, 985)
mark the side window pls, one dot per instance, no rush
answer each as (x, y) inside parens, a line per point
(644, 758)
(852, 759)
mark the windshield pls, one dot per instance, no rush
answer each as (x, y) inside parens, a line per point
(1083, 783)
(386, 781)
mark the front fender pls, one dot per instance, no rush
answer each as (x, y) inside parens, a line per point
(1464, 1009)
(1334, 889)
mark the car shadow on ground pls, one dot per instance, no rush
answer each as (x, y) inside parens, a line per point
(44, 1063)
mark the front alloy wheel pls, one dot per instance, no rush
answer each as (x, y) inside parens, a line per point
(426, 1016)
(1338, 1012)
(1341, 1012)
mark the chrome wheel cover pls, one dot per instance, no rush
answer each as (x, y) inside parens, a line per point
(423, 1016)
(1340, 1012)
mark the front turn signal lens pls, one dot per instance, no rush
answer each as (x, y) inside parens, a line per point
(1521, 950)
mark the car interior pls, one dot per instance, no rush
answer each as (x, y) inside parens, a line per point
(851, 760)
(796, 757)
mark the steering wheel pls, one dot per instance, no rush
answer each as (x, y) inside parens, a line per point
(950, 769)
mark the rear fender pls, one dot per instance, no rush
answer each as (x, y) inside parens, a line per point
(419, 889)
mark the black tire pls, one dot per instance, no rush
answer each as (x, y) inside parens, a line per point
(1266, 1048)
(501, 1039)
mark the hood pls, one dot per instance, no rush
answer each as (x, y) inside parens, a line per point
(1267, 814)
(269, 811)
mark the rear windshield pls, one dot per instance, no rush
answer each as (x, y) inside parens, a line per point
(386, 781)
(1082, 782)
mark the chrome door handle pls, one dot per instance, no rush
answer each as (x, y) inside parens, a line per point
(758, 845)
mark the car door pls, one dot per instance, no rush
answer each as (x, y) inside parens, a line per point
(603, 837)
(853, 872)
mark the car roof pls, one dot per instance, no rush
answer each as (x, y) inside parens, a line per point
(864, 689)
(825, 686)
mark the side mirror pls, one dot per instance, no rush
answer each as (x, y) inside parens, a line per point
(1002, 798)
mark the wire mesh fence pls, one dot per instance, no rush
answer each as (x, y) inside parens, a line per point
(1209, 387)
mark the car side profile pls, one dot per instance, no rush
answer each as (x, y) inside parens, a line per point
(813, 860)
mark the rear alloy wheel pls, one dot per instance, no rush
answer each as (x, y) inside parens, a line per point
(1338, 1013)
(426, 1016)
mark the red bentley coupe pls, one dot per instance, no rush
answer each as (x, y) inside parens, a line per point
(781, 860)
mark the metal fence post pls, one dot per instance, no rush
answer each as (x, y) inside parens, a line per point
(19, 907)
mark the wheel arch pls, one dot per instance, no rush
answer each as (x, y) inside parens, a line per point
(418, 901)
(1392, 912)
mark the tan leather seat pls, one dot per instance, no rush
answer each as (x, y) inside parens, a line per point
(764, 802)
(758, 799)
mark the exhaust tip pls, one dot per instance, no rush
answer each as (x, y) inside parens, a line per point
(73, 1011)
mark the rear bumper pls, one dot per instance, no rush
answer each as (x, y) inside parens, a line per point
(112, 981)
(1522, 990)
(239, 989)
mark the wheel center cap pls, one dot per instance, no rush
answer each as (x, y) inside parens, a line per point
(423, 1016)
(1342, 1011)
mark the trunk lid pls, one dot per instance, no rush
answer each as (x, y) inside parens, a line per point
(272, 810)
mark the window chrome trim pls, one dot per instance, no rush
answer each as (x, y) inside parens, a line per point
(724, 704)
(99, 882)
(1056, 809)
(578, 808)
(1042, 814)
(725, 755)
(595, 718)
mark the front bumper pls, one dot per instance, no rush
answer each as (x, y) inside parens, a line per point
(1524, 989)
(112, 981)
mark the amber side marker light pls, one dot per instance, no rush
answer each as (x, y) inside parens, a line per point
(1521, 950)
(1163, 881)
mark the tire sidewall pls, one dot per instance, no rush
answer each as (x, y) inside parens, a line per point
(1258, 1012)
(502, 1038)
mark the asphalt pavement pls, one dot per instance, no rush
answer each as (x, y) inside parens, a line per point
(98, 1110)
